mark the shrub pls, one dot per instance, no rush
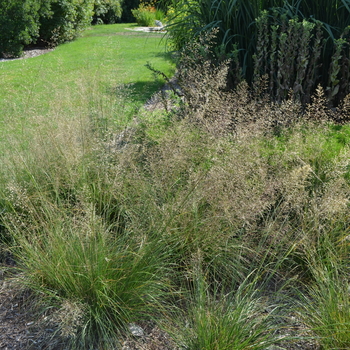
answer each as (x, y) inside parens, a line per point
(145, 14)
(107, 11)
(178, 18)
(65, 20)
(19, 25)
(50, 22)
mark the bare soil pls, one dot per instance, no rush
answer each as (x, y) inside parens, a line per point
(18, 328)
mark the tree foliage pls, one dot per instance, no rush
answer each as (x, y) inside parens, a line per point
(128, 5)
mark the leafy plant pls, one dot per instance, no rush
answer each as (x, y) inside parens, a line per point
(127, 6)
(146, 14)
(19, 25)
(66, 20)
(107, 11)
(49, 22)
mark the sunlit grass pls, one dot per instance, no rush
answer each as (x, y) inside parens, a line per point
(34, 86)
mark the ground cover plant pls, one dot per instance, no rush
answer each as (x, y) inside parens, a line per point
(227, 227)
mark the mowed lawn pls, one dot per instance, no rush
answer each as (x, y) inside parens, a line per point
(107, 61)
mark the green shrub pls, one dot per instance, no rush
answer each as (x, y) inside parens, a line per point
(50, 22)
(107, 11)
(19, 25)
(65, 20)
(179, 17)
(160, 15)
(145, 15)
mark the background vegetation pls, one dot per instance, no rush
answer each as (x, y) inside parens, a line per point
(297, 44)
(50, 22)
(107, 11)
(147, 14)
(18, 25)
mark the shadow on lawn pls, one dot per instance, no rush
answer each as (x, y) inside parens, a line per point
(138, 93)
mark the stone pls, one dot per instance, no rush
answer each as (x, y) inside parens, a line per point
(159, 24)
(136, 330)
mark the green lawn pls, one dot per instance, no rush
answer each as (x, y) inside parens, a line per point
(92, 67)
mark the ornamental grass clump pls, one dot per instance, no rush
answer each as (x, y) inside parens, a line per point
(70, 242)
(76, 260)
(235, 318)
(324, 305)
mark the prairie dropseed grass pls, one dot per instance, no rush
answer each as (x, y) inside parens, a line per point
(166, 217)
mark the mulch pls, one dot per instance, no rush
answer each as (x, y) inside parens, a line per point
(28, 53)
